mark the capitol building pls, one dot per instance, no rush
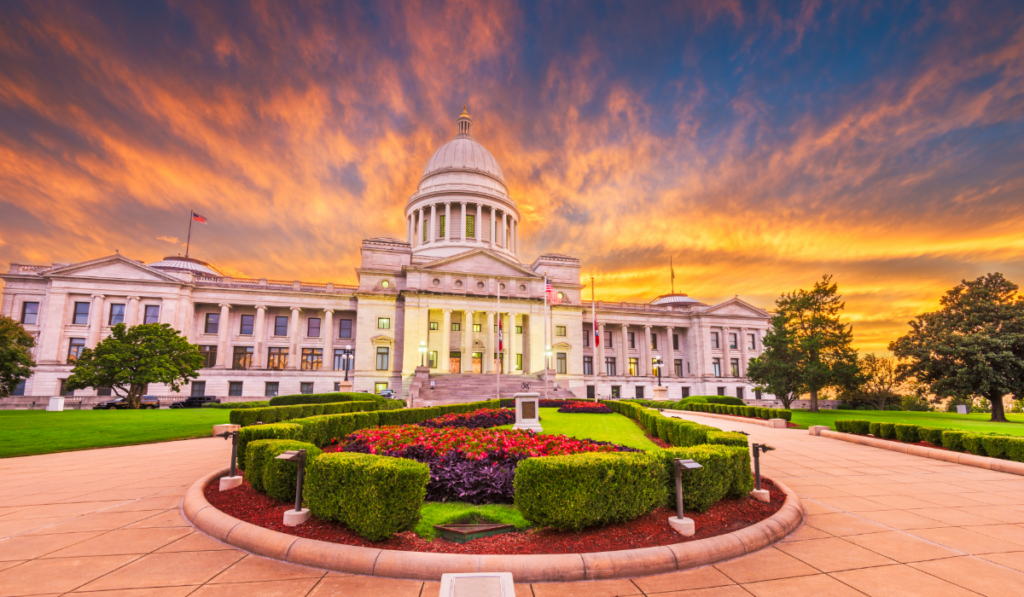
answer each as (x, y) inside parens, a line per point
(422, 320)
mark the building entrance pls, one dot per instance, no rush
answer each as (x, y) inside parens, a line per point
(455, 362)
(478, 362)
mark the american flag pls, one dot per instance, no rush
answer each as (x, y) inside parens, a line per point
(551, 291)
(501, 334)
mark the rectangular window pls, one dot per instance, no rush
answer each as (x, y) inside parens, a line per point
(632, 340)
(675, 341)
(686, 391)
(152, 314)
(277, 357)
(245, 329)
(235, 388)
(654, 342)
(281, 325)
(739, 393)
(345, 328)
(616, 391)
(734, 367)
(716, 367)
(519, 361)
(306, 387)
(757, 394)
(382, 358)
(733, 342)
(640, 392)
(212, 323)
(477, 328)
(609, 365)
(75, 349)
(432, 359)
(313, 327)
(19, 390)
(209, 354)
(198, 389)
(560, 330)
(591, 392)
(519, 329)
(679, 367)
(116, 314)
(586, 338)
(470, 226)
(751, 342)
(81, 314)
(456, 326)
(383, 323)
(442, 218)
(561, 364)
(379, 386)
(63, 389)
(242, 358)
(721, 391)
(654, 366)
(714, 340)
(341, 363)
(434, 326)
(608, 339)
(29, 313)
(270, 389)
(588, 365)
(312, 359)
(634, 367)
(425, 227)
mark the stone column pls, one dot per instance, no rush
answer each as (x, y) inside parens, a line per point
(646, 354)
(432, 235)
(223, 329)
(140, 313)
(294, 357)
(417, 229)
(446, 341)
(489, 346)
(467, 341)
(95, 320)
(465, 220)
(447, 222)
(260, 336)
(743, 350)
(493, 231)
(726, 353)
(327, 331)
(409, 230)
(670, 355)
(131, 316)
(623, 366)
(479, 222)
(515, 240)
(51, 337)
(509, 333)
(504, 235)
(599, 356)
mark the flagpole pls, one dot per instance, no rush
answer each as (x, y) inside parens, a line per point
(545, 335)
(672, 271)
(500, 342)
(189, 241)
(597, 340)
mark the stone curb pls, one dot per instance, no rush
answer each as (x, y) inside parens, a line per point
(985, 462)
(524, 568)
(761, 422)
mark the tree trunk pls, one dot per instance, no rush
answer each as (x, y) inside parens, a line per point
(814, 401)
(787, 400)
(998, 414)
(135, 396)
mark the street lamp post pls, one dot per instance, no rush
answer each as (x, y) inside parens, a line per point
(423, 354)
(657, 365)
(347, 355)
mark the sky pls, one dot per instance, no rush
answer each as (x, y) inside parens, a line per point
(755, 145)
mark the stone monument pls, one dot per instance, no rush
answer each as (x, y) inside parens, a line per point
(528, 411)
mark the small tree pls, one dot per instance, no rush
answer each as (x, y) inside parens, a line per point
(776, 370)
(881, 384)
(132, 358)
(15, 355)
(972, 346)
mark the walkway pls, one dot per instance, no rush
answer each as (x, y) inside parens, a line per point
(106, 523)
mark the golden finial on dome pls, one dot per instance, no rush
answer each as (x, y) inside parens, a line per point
(465, 123)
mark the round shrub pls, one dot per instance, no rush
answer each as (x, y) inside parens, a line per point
(726, 471)
(276, 477)
(258, 432)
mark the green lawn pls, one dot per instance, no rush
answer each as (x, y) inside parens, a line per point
(24, 432)
(460, 512)
(613, 428)
(977, 422)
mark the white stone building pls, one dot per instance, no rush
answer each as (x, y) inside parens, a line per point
(430, 299)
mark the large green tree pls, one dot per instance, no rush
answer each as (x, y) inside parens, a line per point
(132, 358)
(972, 346)
(776, 370)
(15, 355)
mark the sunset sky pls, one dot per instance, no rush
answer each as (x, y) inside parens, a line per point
(758, 145)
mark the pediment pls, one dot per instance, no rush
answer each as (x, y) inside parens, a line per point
(480, 263)
(114, 267)
(735, 306)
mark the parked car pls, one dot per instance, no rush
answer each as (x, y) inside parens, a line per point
(195, 402)
(386, 393)
(122, 403)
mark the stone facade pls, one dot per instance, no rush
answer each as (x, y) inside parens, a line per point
(430, 300)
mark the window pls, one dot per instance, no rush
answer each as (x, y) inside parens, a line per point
(608, 339)
(63, 389)
(337, 386)
(588, 365)
(654, 341)
(378, 386)
(209, 354)
(519, 329)
(198, 388)
(470, 226)
(312, 359)
(456, 326)
(675, 341)
(341, 363)
(235, 388)
(270, 389)
(734, 367)
(519, 361)
(306, 387)
(634, 367)
(640, 392)
(81, 314)
(432, 359)
(212, 323)
(425, 226)
(383, 323)
(101, 391)
(714, 340)
(686, 391)
(591, 392)
(242, 358)
(716, 367)
(721, 391)
(434, 326)
(19, 390)
(751, 342)
(586, 338)
(277, 357)
(345, 328)
(247, 324)
(442, 218)
(609, 365)
(29, 313)
(313, 327)
(116, 314)
(476, 327)
(616, 391)
(75, 349)
(281, 325)
(757, 394)
(559, 330)
(733, 342)
(679, 367)
(632, 340)
(382, 358)
(654, 365)
(560, 363)
(739, 393)
(152, 314)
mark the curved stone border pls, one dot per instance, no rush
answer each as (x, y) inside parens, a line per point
(985, 462)
(524, 568)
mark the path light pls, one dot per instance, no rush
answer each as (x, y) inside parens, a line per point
(679, 523)
(234, 480)
(293, 518)
(758, 493)
(657, 365)
(423, 353)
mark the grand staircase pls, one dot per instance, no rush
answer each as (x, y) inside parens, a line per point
(454, 388)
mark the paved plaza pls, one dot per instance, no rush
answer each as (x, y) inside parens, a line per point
(107, 523)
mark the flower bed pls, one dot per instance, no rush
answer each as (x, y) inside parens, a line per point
(585, 407)
(552, 402)
(480, 419)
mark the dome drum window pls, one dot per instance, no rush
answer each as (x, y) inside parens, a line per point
(385, 284)
(437, 282)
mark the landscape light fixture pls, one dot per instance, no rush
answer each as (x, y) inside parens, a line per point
(294, 518)
(233, 480)
(679, 523)
(347, 356)
(423, 353)
(758, 493)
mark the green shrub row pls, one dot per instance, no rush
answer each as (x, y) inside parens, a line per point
(676, 432)
(268, 474)
(291, 399)
(996, 446)
(742, 411)
(238, 405)
(725, 472)
(280, 414)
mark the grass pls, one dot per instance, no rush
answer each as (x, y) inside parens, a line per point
(614, 428)
(977, 422)
(25, 432)
(460, 512)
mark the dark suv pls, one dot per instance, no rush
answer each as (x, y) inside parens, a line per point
(195, 402)
(121, 403)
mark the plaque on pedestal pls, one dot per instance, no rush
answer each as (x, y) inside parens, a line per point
(528, 411)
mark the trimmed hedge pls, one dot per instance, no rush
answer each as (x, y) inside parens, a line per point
(280, 414)
(953, 440)
(932, 435)
(320, 430)
(375, 496)
(726, 471)
(583, 490)
(906, 433)
(238, 405)
(677, 432)
(973, 443)
(258, 432)
(292, 399)
(727, 438)
(275, 477)
(743, 411)
(996, 446)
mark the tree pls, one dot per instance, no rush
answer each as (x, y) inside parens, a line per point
(972, 346)
(880, 382)
(15, 355)
(132, 358)
(776, 370)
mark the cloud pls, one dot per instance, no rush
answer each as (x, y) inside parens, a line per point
(168, 239)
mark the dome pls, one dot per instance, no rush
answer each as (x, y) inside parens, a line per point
(463, 164)
(676, 300)
(177, 263)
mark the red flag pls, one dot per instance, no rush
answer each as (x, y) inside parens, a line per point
(597, 334)
(501, 334)
(198, 218)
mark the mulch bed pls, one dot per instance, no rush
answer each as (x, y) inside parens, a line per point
(651, 530)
